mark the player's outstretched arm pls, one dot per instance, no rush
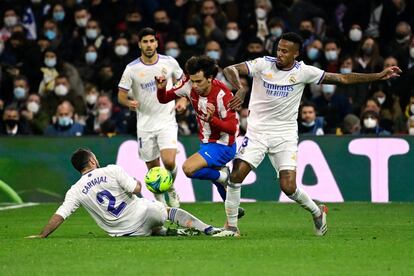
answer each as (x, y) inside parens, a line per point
(54, 222)
(352, 78)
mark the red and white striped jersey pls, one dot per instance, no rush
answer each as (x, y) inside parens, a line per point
(224, 126)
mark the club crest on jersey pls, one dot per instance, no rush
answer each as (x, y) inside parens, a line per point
(292, 79)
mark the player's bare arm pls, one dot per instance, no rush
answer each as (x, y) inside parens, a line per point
(54, 222)
(352, 78)
(125, 101)
(232, 74)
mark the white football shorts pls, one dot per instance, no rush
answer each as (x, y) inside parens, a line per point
(150, 143)
(156, 215)
(282, 150)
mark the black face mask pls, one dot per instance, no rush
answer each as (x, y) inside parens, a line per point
(400, 35)
(11, 123)
(305, 34)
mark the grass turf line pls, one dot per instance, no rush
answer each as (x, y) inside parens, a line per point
(363, 238)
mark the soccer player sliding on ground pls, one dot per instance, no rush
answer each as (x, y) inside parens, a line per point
(108, 195)
(277, 88)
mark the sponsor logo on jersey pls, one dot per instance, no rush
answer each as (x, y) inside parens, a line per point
(277, 90)
(149, 85)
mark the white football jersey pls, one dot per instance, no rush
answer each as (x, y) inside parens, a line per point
(140, 77)
(276, 94)
(106, 193)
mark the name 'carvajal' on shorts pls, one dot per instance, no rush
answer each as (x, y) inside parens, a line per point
(277, 90)
(93, 182)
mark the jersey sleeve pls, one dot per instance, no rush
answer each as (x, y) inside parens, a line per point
(312, 74)
(256, 66)
(69, 206)
(177, 71)
(126, 80)
(127, 182)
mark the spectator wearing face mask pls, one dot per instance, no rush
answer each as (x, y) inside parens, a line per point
(213, 50)
(353, 39)
(276, 28)
(307, 31)
(401, 39)
(10, 19)
(62, 91)
(53, 66)
(120, 56)
(21, 90)
(34, 115)
(406, 63)
(233, 42)
(90, 100)
(391, 115)
(333, 107)
(313, 54)
(166, 28)
(370, 124)
(368, 58)
(211, 20)
(88, 65)
(309, 123)
(106, 112)
(81, 17)
(257, 21)
(254, 49)
(172, 49)
(355, 93)
(64, 124)
(332, 53)
(11, 124)
(193, 44)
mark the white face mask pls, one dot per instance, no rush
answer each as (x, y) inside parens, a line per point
(33, 107)
(61, 90)
(331, 55)
(172, 52)
(260, 13)
(381, 100)
(411, 131)
(91, 33)
(232, 34)
(91, 98)
(81, 22)
(104, 110)
(412, 52)
(345, 70)
(10, 21)
(370, 123)
(355, 35)
(328, 89)
(121, 50)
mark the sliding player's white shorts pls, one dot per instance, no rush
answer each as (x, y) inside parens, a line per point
(156, 215)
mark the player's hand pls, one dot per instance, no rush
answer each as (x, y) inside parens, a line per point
(181, 105)
(210, 112)
(34, 237)
(390, 72)
(133, 105)
(161, 82)
(238, 99)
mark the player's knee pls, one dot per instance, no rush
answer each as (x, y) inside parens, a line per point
(188, 170)
(236, 177)
(169, 164)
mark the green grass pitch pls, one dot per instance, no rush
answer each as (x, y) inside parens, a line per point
(363, 238)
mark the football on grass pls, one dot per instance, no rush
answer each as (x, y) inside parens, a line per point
(158, 180)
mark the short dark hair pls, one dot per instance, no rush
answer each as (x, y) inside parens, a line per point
(307, 104)
(293, 37)
(201, 63)
(146, 31)
(80, 158)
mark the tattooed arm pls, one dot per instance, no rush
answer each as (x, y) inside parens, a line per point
(232, 74)
(352, 78)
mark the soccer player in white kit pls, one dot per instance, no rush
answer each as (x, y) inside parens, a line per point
(156, 124)
(278, 84)
(108, 195)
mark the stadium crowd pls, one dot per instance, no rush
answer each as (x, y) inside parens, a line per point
(61, 60)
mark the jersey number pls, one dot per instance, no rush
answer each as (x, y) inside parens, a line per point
(115, 211)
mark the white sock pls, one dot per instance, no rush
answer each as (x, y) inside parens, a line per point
(306, 202)
(223, 176)
(185, 219)
(232, 203)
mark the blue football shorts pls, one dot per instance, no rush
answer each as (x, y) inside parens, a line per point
(217, 155)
